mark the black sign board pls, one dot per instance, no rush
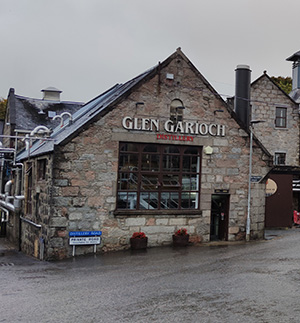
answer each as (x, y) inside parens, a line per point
(221, 191)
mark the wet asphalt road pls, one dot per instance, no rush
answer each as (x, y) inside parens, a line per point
(246, 282)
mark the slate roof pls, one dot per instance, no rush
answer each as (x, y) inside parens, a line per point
(105, 102)
(26, 113)
(83, 116)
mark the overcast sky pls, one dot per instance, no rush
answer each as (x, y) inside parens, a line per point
(83, 47)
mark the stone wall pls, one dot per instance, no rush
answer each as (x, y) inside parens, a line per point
(265, 97)
(78, 192)
(34, 237)
(85, 170)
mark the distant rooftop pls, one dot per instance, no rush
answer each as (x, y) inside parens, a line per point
(51, 89)
(27, 113)
(294, 57)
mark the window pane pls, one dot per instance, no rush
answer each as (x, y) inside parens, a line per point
(41, 169)
(170, 182)
(148, 201)
(129, 147)
(169, 200)
(189, 200)
(29, 189)
(149, 182)
(191, 164)
(191, 151)
(171, 163)
(189, 182)
(280, 120)
(128, 181)
(150, 149)
(171, 150)
(194, 164)
(127, 200)
(280, 158)
(128, 162)
(150, 162)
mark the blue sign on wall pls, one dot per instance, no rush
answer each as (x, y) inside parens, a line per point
(84, 233)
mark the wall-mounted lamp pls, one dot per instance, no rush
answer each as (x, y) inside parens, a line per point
(208, 150)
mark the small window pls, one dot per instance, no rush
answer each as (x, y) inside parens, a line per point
(176, 111)
(280, 120)
(279, 158)
(29, 188)
(41, 169)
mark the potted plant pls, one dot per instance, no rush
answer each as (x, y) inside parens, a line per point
(138, 241)
(181, 238)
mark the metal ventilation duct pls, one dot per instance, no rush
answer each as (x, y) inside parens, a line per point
(242, 93)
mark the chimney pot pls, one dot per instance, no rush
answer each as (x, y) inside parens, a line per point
(51, 94)
(242, 93)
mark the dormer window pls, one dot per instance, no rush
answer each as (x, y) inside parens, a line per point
(176, 111)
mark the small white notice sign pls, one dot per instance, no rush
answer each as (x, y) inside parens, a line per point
(84, 240)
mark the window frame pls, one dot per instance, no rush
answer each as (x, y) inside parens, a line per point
(29, 189)
(279, 119)
(162, 184)
(41, 169)
(176, 111)
(277, 156)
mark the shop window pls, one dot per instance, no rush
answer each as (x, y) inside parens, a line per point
(279, 158)
(158, 177)
(280, 119)
(41, 169)
(176, 111)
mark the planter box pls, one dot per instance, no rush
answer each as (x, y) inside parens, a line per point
(137, 243)
(180, 241)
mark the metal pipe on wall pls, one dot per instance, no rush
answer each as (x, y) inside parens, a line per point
(242, 93)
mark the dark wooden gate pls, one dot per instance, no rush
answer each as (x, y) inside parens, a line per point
(279, 206)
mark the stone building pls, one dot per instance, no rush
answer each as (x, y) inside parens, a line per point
(24, 114)
(28, 118)
(279, 133)
(160, 152)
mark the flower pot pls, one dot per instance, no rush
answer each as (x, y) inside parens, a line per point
(138, 243)
(180, 241)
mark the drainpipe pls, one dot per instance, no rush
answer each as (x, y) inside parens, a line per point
(5, 219)
(7, 189)
(20, 179)
(18, 198)
(7, 186)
